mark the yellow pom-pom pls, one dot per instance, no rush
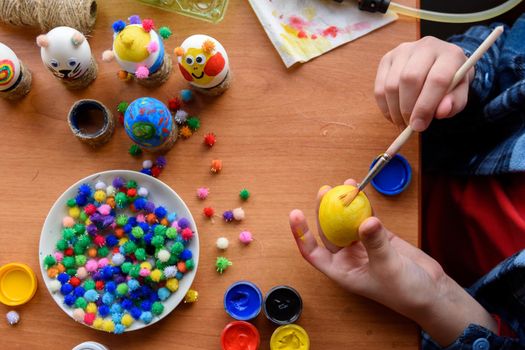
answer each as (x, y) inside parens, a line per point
(74, 212)
(108, 326)
(87, 222)
(145, 265)
(172, 284)
(91, 308)
(156, 275)
(126, 320)
(192, 296)
(122, 241)
(97, 324)
(100, 196)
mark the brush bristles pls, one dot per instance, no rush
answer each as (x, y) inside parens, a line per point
(349, 197)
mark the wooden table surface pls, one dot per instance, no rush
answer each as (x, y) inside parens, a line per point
(269, 129)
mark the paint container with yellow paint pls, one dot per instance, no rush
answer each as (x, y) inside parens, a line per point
(290, 337)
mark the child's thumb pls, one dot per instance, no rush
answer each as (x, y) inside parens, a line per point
(374, 237)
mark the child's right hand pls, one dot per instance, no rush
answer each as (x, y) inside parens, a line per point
(412, 82)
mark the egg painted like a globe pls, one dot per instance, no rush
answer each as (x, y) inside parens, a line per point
(340, 223)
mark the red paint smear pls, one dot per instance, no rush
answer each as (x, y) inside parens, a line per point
(302, 34)
(313, 36)
(361, 26)
(331, 31)
(297, 22)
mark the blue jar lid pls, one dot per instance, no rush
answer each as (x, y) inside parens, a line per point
(394, 177)
(243, 300)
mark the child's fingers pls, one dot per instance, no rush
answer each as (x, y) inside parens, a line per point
(351, 182)
(331, 247)
(316, 255)
(379, 88)
(374, 237)
(454, 102)
(392, 84)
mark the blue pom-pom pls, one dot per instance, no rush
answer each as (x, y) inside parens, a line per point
(147, 238)
(103, 310)
(127, 228)
(163, 293)
(91, 295)
(108, 298)
(186, 254)
(146, 171)
(160, 212)
(107, 272)
(127, 304)
(118, 182)
(81, 199)
(111, 287)
(117, 27)
(135, 312)
(116, 317)
(161, 161)
(85, 190)
(133, 284)
(111, 241)
(63, 278)
(116, 308)
(134, 295)
(179, 275)
(153, 297)
(132, 221)
(135, 19)
(146, 305)
(186, 95)
(183, 223)
(172, 217)
(144, 226)
(70, 299)
(119, 329)
(139, 203)
(146, 317)
(66, 289)
(79, 291)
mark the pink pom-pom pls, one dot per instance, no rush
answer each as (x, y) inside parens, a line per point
(246, 237)
(68, 221)
(104, 209)
(59, 256)
(142, 72)
(187, 234)
(91, 265)
(108, 56)
(175, 225)
(203, 192)
(42, 41)
(147, 24)
(81, 273)
(89, 318)
(103, 262)
(152, 47)
(140, 218)
(144, 272)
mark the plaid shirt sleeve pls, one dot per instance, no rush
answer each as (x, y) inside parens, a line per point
(501, 292)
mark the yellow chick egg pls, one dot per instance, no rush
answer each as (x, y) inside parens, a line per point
(340, 223)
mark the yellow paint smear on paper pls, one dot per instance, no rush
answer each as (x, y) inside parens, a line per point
(306, 47)
(309, 13)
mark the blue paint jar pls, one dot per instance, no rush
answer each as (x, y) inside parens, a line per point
(243, 300)
(394, 178)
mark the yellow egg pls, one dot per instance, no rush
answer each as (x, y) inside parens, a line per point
(340, 223)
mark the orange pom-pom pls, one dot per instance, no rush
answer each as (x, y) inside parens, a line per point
(61, 268)
(179, 51)
(92, 252)
(208, 46)
(123, 75)
(216, 166)
(181, 266)
(164, 222)
(111, 202)
(119, 232)
(52, 272)
(151, 218)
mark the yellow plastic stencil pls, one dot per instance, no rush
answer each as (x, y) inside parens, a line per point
(206, 10)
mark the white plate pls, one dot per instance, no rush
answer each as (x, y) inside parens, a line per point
(159, 193)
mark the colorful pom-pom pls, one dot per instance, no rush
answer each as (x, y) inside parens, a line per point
(118, 26)
(191, 296)
(135, 150)
(12, 317)
(186, 95)
(203, 192)
(193, 123)
(134, 19)
(157, 308)
(126, 320)
(152, 47)
(185, 132)
(244, 194)
(163, 255)
(222, 264)
(245, 237)
(222, 243)
(216, 166)
(208, 212)
(161, 162)
(163, 293)
(147, 24)
(79, 314)
(165, 32)
(227, 216)
(238, 214)
(54, 286)
(142, 72)
(208, 46)
(210, 139)
(178, 51)
(181, 116)
(146, 317)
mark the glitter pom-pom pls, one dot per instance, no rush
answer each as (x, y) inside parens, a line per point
(222, 264)
(222, 243)
(118, 26)
(147, 24)
(191, 296)
(180, 116)
(12, 317)
(245, 237)
(210, 139)
(142, 72)
(203, 192)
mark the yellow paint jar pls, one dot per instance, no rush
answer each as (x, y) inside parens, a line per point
(290, 337)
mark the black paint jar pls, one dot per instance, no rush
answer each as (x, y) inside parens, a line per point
(283, 305)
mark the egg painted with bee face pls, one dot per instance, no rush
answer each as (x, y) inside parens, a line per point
(9, 68)
(203, 61)
(65, 52)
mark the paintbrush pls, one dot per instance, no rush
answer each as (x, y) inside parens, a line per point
(384, 158)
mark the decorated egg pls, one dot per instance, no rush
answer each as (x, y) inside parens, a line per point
(9, 68)
(148, 122)
(203, 61)
(65, 52)
(340, 223)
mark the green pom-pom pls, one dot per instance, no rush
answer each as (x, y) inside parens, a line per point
(103, 251)
(89, 284)
(157, 241)
(79, 229)
(83, 241)
(122, 289)
(83, 216)
(71, 202)
(62, 245)
(135, 150)
(140, 254)
(49, 261)
(122, 220)
(138, 232)
(68, 262)
(222, 264)
(78, 248)
(121, 199)
(130, 247)
(177, 248)
(194, 123)
(131, 184)
(157, 308)
(122, 106)
(165, 32)
(161, 265)
(135, 271)
(160, 230)
(173, 260)
(190, 264)
(126, 267)
(80, 260)
(81, 303)
(72, 271)
(68, 233)
(244, 194)
(171, 232)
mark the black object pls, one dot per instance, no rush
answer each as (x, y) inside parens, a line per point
(374, 5)
(283, 305)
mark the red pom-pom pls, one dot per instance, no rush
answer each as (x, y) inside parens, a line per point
(174, 104)
(155, 171)
(74, 281)
(187, 234)
(147, 24)
(99, 285)
(68, 252)
(116, 250)
(90, 209)
(89, 318)
(123, 189)
(208, 212)
(209, 139)
(99, 240)
(132, 192)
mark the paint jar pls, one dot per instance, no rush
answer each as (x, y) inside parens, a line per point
(290, 337)
(90, 345)
(240, 335)
(394, 178)
(243, 300)
(18, 284)
(283, 305)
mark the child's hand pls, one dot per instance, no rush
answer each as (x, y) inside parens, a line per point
(389, 270)
(412, 82)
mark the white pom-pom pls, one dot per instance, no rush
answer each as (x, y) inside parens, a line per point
(12, 317)
(238, 214)
(110, 191)
(143, 192)
(100, 185)
(82, 273)
(78, 315)
(42, 41)
(170, 271)
(222, 243)
(108, 56)
(147, 164)
(117, 259)
(54, 286)
(163, 255)
(181, 116)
